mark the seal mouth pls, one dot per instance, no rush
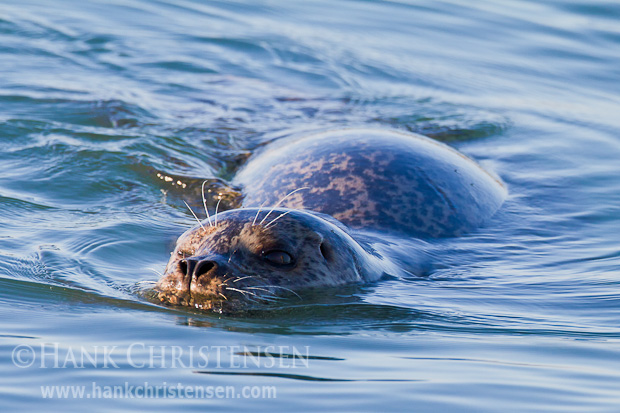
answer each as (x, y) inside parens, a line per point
(229, 299)
(200, 302)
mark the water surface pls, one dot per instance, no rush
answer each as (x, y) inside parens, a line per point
(99, 100)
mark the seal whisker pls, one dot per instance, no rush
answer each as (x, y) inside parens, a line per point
(268, 299)
(269, 296)
(216, 207)
(252, 300)
(283, 288)
(226, 280)
(257, 288)
(192, 211)
(258, 212)
(223, 296)
(241, 291)
(282, 200)
(243, 278)
(258, 277)
(204, 202)
(279, 216)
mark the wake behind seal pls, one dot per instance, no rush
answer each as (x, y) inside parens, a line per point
(312, 207)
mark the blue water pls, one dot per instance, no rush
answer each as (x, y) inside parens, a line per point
(100, 99)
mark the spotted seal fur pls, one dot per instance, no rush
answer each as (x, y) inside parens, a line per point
(308, 209)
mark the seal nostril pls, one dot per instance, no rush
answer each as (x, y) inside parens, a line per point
(183, 267)
(195, 267)
(203, 268)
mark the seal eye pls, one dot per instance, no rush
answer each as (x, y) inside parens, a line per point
(278, 257)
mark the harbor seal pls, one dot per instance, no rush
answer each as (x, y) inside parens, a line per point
(314, 211)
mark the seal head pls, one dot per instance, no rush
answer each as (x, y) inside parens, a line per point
(251, 256)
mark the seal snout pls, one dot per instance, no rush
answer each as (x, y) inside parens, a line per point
(203, 275)
(197, 281)
(194, 268)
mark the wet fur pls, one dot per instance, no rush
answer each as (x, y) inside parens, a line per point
(384, 181)
(237, 245)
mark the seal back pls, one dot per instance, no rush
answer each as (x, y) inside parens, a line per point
(375, 179)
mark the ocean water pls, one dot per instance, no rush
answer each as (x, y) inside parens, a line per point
(101, 100)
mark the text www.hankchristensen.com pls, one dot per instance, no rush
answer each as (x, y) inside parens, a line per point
(162, 391)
